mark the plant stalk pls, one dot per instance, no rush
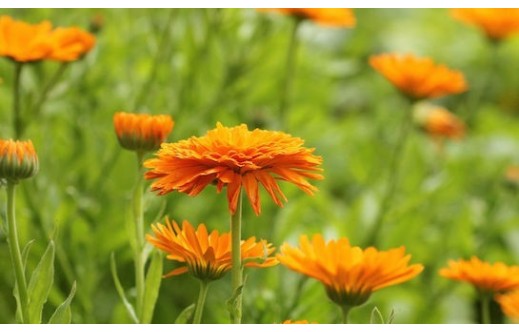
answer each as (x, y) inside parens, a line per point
(204, 286)
(139, 237)
(236, 272)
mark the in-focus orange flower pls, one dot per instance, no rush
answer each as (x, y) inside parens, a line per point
(18, 160)
(206, 256)
(486, 277)
(69, 44)
(509, 303)
(142, 132)
(496, 23)
(234, 158)
(349, 274)
(438, 122)
(329, 17)
(24, 42)
(418, 78)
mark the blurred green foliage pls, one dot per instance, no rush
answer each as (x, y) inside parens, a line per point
(207, 65)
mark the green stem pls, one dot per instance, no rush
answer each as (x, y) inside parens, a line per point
(289, 71)
(36, 107)
(14, 249)
(485, 308)
(345, 312)
(204, 286)
(236, 272)
(17, 116)
(393, 178)
(139, 237)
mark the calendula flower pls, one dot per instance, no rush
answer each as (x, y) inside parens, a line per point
(142, 132)
(438, 122)
(288, 321)
(486, 277)
(206, 256)
(18, 160)
(349, 274)
(234, 158)
(328, 17)
(68, 44)
(496, 23)
(509, 303)
(418, 78)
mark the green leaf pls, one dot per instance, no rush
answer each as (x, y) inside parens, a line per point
(120, 291)
(40, 284)
(185, 315)
(63, 314)
(25, 252)
(376, 317)
(153, 279)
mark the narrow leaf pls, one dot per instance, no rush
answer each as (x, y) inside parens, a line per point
(25, 252)
(153, 279)
(63, 314)
(120, 291)
(185, 315)
(376, 317)
(40, 284)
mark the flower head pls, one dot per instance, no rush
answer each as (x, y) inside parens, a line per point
(18, 160)
(142, 132)
(439, 122)
(234, 158)
(349, 274)
(68, 44)
(486, 277)
(206, 256)
(328, 17)
(496, 23)
(418, 78)
(509, 303)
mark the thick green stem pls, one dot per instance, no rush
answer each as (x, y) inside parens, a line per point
(485, 308)
(14, 249)
(393, 178)
(289, 71)
(17, 116)
(204, 286)
(345, 312)
(236, 272)
(139, 237)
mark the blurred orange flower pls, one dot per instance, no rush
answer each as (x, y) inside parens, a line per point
(329, 17)
(496, 23)
(288, 321)
(142, 132)
(24, 42)
(18, 160)
(486, 277)
(418, 78)
(439, 122)
(234, 158)
(509, 303)
(206, 256)
(348, 273)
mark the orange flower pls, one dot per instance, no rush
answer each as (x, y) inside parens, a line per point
(18, 160)
(438, 121)
(509, 303)
(418, 78)
(24, 42)
(142, 132)
(288, 321)
(68, 44)
(496, 23)
(484, 276)
(234, 157)
(348, 273)
(329, 17)
(206, 256)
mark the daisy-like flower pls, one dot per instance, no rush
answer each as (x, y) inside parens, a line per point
(234, 158)
(349, 274)
(438, 122)
(142, 132)
(418, 78)
(486, 277)
(206, 256)
(496, 23)
(328, 17)
(509, 303)
(69, 44)
(18, 160)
